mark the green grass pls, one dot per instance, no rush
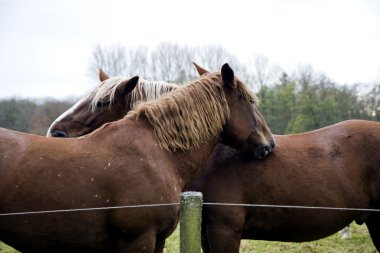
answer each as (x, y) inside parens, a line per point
(360, 242)
(172, 243)
(6, 249)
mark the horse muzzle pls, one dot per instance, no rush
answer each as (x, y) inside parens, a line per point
(261, 151)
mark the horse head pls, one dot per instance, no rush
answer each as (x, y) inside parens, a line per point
(94, 110)
(246, 128)
(110, 101)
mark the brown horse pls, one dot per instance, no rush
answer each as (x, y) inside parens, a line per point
(110, 101)
(147, 157)
(331, 167)
(222, 230)
(336, 166)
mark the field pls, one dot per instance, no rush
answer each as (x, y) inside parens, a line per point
(360, 242)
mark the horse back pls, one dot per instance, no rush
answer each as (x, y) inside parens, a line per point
(336, 166)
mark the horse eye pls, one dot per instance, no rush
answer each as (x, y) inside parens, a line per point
(101, 104)
(241, 96)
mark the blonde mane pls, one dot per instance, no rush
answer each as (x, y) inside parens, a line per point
(189, 116)
(151, 90)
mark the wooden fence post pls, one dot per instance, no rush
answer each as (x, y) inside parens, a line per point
(190, 222)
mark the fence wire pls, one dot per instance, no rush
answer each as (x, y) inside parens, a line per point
(295, 207)
(177, 204)
(87, 209)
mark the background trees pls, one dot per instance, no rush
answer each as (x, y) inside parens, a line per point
(291, 102)
(16, 113)
(30, 116)
(167, 61)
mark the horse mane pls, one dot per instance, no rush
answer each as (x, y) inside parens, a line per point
(151, 90)
(191, 115)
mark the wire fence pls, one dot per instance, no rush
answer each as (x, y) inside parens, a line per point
(190, 215)
(177, 204)
(87, 209)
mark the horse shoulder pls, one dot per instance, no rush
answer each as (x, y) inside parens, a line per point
(13, 147)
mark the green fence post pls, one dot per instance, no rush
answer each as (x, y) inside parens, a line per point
(190, 222)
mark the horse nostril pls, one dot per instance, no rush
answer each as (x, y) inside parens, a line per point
(272, 144)
(57, 133)
(268, 148)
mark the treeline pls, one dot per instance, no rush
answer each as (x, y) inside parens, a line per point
(167, 61)
(30, 116)
(291, 101)
(296, 105)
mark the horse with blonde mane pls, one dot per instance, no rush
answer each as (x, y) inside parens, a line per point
(141, 159)
(322, 168)
(109, 101)
(316, 169)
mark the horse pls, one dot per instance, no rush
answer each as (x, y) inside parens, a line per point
(306, 169)
(206, 242)
(147, 157)
(109, 101)
(334, 167)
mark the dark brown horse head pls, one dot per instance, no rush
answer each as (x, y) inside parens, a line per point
(110, 101)
(82, 117)
(248, 130)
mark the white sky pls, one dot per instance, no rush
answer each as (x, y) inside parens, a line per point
(45, 45)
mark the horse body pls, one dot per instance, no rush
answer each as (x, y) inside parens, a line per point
(128, 162)
(58, 178)
(336, 166)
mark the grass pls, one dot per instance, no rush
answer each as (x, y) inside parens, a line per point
(6, 249)
(360, 242)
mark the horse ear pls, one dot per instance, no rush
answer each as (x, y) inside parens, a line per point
(103, 76)
(228, 76)
(127, 86)
(200, 70)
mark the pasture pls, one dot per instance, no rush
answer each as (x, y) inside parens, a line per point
(360, 242)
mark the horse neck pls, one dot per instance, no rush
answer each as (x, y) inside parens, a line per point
(193, 161)
(187, 163)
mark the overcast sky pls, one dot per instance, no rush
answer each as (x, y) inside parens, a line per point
(46, 45)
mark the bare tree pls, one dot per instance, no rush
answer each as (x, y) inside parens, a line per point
(171, 63)
(113, 60)
(138, 62)
(213, 56)
(263, 73)
(168, 62)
